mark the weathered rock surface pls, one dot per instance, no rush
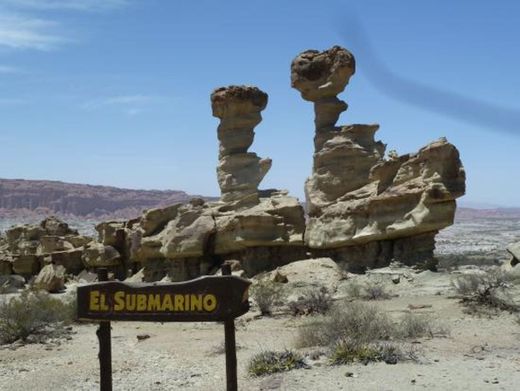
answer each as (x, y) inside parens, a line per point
(239, 172)
(50, 278)
(25, 249)
(514, 250)
(365, 210)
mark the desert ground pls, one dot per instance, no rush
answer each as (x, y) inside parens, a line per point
(474, 352)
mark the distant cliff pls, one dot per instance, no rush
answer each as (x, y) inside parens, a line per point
(25, 197)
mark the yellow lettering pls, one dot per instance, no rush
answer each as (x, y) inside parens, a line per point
(103, 306)
(119, 301)
(94, 301)
(179, 303)
(167, 304)
(130, 302)
(196, 303)
(209, 303)
(154, 302)
(141, 302)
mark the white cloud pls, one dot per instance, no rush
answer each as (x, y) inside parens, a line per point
(73, 5)
(26, 32)
(21, 28)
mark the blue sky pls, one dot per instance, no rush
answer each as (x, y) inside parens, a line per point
(116, 92)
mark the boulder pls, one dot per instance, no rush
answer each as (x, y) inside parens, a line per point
(11, 283)
(50, 278)
(514, 250)
(99, 255)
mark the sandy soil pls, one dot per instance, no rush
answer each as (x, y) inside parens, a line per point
(479, 354)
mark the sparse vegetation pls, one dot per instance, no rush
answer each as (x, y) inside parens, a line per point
(371, 290)
(420, 325)
(357, 321)
(313, 301)
(486, 291)
(268, 362)
(266, 294)
(34, 316)
(347, 351)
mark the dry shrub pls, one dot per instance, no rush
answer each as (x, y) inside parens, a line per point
(266, 294)
(420, 325)
(268, 362)
(34, 316)
(357, 321)
(486, 291)
(313, 301)
(371, 290)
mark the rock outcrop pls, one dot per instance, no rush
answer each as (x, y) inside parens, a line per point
(26, 249)
(365, 209)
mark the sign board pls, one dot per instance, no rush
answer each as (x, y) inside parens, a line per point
(204, 299)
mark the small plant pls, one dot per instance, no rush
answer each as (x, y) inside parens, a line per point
(268, 362)
(314, 301)
(34, 314)
(266, 294)
(347, 351)
(486, 290)
(376, 291)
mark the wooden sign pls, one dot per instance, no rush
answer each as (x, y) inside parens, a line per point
(204, 299)
(208, 298)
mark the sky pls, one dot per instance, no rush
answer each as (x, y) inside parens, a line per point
(116, 92)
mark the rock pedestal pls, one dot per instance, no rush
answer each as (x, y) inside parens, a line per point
(239, 172)
(364, 209)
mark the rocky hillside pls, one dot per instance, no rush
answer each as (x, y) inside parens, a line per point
(22, 197)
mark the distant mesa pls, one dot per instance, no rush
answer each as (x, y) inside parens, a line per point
(20, 197)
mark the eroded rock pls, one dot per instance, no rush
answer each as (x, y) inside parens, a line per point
(365, 209)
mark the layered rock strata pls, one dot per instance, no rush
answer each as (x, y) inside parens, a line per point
(364, 209)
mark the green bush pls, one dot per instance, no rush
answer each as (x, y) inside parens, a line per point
(35, 314)
(268, 362)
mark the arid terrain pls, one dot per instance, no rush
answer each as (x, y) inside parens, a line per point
(474, 351)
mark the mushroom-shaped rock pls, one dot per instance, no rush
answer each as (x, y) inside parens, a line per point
(239, 172)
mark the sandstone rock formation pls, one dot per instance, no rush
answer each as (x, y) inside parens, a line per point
(365, 209)
(26, 249)
(239, 172)
(260, 228)
(51, 278)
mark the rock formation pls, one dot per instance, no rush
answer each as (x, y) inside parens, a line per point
(365, 210)
(239, 172)
(261, 228)
(26, 249)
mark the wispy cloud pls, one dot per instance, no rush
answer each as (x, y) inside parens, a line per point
(73, 5)
(31, 24)
(26, 32)
(129, 104)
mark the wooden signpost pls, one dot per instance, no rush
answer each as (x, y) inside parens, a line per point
(205, 299)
